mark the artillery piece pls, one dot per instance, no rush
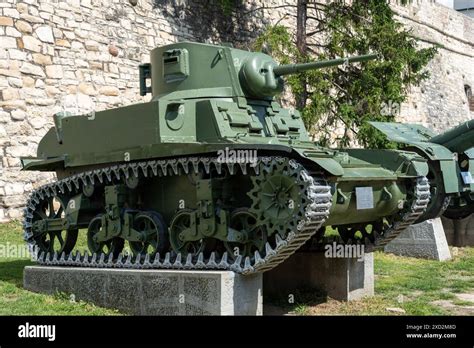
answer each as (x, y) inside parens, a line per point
(450, 157)
(211, 173)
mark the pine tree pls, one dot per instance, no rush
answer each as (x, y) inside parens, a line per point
(348, 97)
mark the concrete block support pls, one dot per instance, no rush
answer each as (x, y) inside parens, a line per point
(425, 240)
(341, 278)
(153, 292)
(459, 232)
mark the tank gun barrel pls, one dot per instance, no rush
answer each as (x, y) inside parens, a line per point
(287, 69)
(458, 139)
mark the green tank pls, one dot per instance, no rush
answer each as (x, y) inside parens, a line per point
(212, 173)
(450, 157)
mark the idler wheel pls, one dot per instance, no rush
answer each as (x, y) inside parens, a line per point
(52, 241)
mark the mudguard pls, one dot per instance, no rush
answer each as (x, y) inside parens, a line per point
(417, 136)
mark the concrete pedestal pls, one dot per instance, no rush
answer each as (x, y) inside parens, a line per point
(341, 278)
(425, 240)
(459, 232)
(153, 292)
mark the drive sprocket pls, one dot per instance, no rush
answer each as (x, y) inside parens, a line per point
(279, 195)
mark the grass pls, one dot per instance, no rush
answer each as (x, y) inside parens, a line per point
(462, 303)
(14, 300)
(407, 283)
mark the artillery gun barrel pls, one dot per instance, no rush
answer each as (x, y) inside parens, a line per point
(296, 68)
(458, 139)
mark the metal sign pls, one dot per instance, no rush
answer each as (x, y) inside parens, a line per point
(364, 198)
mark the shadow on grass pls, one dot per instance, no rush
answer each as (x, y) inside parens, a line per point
(12, 271)
(296, 301)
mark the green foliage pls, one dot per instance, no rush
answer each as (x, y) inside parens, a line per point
(349, 96)
(227, 5)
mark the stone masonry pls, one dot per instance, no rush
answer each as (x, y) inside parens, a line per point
(82, 55)
(440, 102)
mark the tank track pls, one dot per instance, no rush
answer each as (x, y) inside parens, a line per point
(318, 194)
(446, 202)
(408, 217)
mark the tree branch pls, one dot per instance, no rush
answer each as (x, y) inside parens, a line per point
(311, 33)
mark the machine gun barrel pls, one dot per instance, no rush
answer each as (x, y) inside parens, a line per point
(458, 139)
(296, 68)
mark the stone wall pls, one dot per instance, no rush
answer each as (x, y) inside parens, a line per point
(440, 102)
(57, 55)
(81, 55)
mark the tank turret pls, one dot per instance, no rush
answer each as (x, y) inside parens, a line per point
(261, 77)
(188, 66)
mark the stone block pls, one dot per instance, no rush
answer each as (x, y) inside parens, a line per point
(424, 240)
(45, 34)
(31, 69)
(31, 43)
(6, 21)
(153, 292)
(24, 27)
(340, 278)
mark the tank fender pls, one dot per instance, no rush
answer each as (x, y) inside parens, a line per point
(327, 163)
(321, 157)
(418, 168)
(450, 175)
(447, 163)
